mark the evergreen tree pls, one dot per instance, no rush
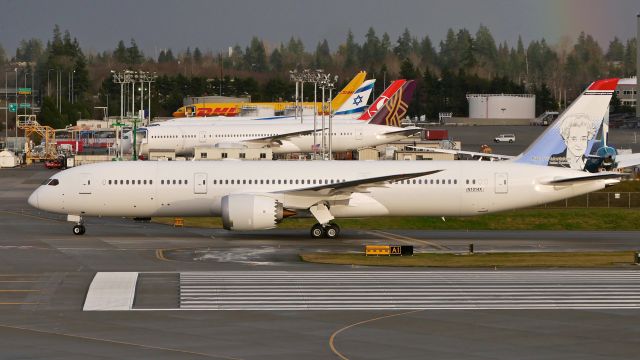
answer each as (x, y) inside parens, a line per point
(403, 45)
(323, 55)
(276, 60)
(120, 53)
(197, 55)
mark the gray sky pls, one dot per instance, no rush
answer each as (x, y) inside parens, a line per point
(215, 25)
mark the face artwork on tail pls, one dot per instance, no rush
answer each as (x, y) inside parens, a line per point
(576, 131)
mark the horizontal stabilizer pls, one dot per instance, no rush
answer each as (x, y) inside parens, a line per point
(627, 160)
(581, 179)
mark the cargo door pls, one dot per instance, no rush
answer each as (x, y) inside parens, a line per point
(200, 183)
(502, 183)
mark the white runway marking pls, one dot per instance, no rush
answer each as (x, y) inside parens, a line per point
(111, 291)
(404, 290)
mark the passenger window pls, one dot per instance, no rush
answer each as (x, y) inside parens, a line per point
(474, 181)
(174, 182)
(109, 182)
(150, 182)
(161, 182)
(127, 182)
(437, 181)
(139, 182)
(179, 182)
(214, 182)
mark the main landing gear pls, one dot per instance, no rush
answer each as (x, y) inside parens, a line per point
(330, 231)
(78, 228)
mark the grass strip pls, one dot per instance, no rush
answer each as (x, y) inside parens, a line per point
(527, 219)
(482, 260)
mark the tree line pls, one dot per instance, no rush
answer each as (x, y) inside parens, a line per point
(461, 63)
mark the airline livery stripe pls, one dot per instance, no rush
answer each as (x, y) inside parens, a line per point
(364, 88)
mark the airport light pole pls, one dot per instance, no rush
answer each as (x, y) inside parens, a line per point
(638, 69)
(330, 84)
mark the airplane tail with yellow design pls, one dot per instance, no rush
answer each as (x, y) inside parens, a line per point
(348, 90)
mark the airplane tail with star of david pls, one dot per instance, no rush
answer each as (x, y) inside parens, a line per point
(356, 104)
(395, 109)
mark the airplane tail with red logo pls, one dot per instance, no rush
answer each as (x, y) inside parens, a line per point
(395, 109)
(382, 99)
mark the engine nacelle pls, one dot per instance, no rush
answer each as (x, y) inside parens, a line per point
(250, 212)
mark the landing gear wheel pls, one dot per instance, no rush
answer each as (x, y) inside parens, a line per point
(332, 231)
(317, 231)
(78, 230)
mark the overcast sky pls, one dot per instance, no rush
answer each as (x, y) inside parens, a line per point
(215, 25)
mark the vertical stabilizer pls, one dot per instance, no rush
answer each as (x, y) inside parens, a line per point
(382, 99)
(568, 141)
(357, 102)
(345, 93)
(395, 109)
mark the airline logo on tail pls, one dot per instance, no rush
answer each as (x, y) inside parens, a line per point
(382, 99)
(357, 102)
(348, 90)
(568, 141)
(395, 109)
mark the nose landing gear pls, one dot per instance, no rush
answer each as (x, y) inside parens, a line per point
(78, 228)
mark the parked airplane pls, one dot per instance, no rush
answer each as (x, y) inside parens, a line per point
(354, 108)
(282, 138)
(258, 195)
(234, 108)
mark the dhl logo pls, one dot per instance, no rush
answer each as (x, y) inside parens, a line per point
(218, 111)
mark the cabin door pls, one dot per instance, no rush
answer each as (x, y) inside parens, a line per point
(200, 183)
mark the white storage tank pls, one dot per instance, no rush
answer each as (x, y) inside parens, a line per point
(502, 106)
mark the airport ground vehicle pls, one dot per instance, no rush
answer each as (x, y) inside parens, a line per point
(510, 138)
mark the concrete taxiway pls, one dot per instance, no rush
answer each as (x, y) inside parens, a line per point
(273, 303)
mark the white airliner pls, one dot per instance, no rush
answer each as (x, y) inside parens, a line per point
(281, 137)
(254, 195)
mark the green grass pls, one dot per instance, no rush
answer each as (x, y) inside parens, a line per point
(528, 219)
(481, 260)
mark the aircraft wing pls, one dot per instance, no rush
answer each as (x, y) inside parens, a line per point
(457, 152)
(360, 185)
(627, 160)
(580, 179)
(279, 137)
(404, 132)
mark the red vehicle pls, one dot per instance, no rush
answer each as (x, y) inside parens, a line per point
(54, 164)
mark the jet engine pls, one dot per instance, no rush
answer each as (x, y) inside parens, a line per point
(250, 212)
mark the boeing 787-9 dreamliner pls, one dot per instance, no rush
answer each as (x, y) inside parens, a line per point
(257, 195)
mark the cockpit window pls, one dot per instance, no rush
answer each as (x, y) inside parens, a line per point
(51, 182)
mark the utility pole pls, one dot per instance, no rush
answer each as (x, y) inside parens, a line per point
(638, 69)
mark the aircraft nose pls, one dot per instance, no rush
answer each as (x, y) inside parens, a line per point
(33, 199)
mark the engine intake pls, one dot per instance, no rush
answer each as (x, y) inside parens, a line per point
(250, 212)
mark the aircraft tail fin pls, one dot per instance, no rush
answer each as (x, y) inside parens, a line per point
(345, 93)
(357, 102)
(568, 140)
(394, 109)
(382, 99)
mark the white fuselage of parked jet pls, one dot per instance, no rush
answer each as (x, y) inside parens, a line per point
(453, 188)
(183, 139)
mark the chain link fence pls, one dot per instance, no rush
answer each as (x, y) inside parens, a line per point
(599, 200)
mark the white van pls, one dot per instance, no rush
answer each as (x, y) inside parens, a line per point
(510, 138)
